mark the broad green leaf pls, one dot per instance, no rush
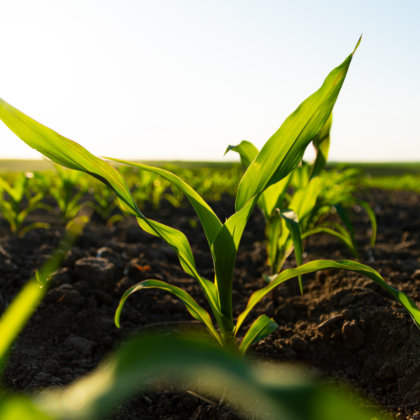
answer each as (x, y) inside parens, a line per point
(285, 149)
(372, 218)
(292, 224)
(272, 232)
(322, 146)
(179, 243)
(193, 307)
(300, 176)
(32, 226)
(260, 329)
(246, 150)
(225, 248)
(347, 265)
(280, 393)
(341, 211)
(338, 227)
(273, 197)
(211, 223)
(17, 407)
(343, 238)
(67, 153)
(304, 199)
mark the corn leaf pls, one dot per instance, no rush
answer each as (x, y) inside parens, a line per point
(343, 238)
(373, 222)
(209, 220)
(225, 248)
(247, 152)
(301, 175)
(273, 196)
(304, 199)
(292, 224)
(341, 211)
(322, 146)
(272, 233)
(347, 265)
(285, 149)
(179, 243)
(260, 329)
(281, 393)
(66, 152)
(193, 307)
(20, 408)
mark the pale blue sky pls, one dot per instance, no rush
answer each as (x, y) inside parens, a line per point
(166, 79)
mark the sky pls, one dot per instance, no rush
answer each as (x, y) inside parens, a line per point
(170, 80)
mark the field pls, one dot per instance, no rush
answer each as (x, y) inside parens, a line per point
(132, 291)
(368, 342)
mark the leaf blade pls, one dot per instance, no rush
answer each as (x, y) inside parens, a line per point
(284, 150)
(347, 265)
(261, 328)
(193, 307)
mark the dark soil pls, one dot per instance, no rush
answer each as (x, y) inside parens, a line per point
(344, 326)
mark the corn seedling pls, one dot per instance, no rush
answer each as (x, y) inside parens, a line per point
(291, 218)
(104, 202)
(276, 160)
(17, 201)
(68, 188)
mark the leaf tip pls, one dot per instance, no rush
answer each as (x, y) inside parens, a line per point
(357, 45)
(229, 148)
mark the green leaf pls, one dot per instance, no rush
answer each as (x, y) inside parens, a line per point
(247, 151)
(273, 196)
(273, 229)
(285, 149)
(304, 199)
(300, 176)
(372, 218)
(32, 226)
(67, 153)
(260, 329)
(14, 407)
(179, 243)
(193, 307)
(224, 249)
(343, 238)
(341, 211)
(292, 224)
(322, 146)
(209, 220)
(347, 265)
(283, 394)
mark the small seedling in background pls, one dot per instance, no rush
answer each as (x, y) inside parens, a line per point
(17, 201)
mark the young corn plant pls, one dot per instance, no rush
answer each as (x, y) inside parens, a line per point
(104, 202)
(291, 218)
(279, 156)
(17, 201)
(67, 189)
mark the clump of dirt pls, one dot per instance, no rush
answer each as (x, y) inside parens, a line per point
(344, 327)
